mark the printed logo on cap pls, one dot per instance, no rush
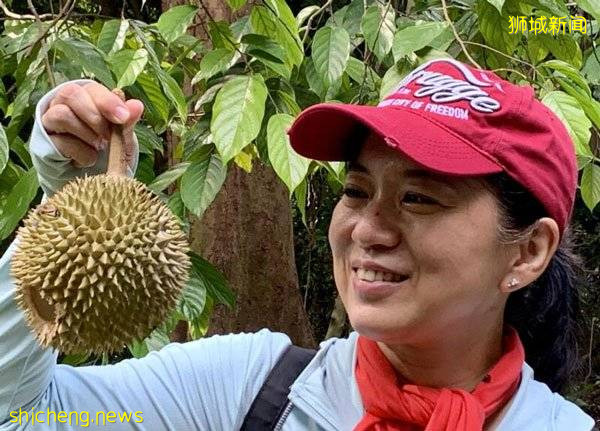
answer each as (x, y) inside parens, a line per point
(441, 88)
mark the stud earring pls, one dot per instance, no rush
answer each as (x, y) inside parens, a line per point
(513, 283)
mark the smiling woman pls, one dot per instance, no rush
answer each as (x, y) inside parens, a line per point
(450, 254)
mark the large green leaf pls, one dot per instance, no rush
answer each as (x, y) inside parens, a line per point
(356, 71)
(168, 177)
(268, 52)
(22, 107)
(17, 202)
(590, 185)
(237, 114)
(494, 28)
(393, 76)
(175, 21)
(569, 111)
(378, 28)
(564, 47)
(112, 36)
(3, 149)
(497, 4)
(592, 7)
(172, 90)
(236, 4)
(330, 53)
(152, 90)
(214, 281)
(590, 106)
(87, 56)
(415, 37)
(127, 65)
(264, 22)
(201, 182)
(289, 165)
(213, 62)
(570, 72)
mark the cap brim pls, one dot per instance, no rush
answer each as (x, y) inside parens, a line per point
(327, 131)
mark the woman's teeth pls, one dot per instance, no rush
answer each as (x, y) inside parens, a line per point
(369, 275)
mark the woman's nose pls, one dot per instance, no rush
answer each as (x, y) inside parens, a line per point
(376, 229)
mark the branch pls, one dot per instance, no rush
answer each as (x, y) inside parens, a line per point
(46, 60)
(13, 15)
(310, 20)
(457, 36)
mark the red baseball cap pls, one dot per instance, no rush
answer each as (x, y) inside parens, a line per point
(457, 120)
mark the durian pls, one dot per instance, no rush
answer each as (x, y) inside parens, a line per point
(100, 263)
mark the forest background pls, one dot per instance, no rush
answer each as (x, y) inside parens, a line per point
(222, 80)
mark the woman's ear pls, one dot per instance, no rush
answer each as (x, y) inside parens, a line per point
(533, 255)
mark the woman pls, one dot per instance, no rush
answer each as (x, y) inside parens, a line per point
(449, 255)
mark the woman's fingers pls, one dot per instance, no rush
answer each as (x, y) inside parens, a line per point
(61, 119)
(84, 115)
(84, 105)
(82, 155)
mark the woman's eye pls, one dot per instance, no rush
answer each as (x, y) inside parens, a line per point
(354, 193)
(418, 199)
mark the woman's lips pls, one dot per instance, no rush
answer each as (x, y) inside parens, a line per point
(377, 289)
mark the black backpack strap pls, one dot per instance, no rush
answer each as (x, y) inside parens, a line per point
(271, 400)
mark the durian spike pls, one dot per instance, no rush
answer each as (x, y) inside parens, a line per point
(117, 158)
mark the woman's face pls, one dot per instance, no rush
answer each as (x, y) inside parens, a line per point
(415, 254)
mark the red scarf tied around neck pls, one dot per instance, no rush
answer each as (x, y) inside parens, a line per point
(391, 405)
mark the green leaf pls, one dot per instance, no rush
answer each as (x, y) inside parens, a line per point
(289, 165)
(152, 90)
(172, 90)
(3, 149)
(564, 47)
(148, 140)
(536, 49)
(305, 14)
(415, 37)
(590, 106)
(138, 349)
(263, 47)
(157, 340)
(264, 22)
(87, 56)
(301, 195)
(17, 202)
(591, 68)
(356, 71)
(112, 36)
(590, 185)
(237, 114)
(393, 76)
(213, 62)
(193, 297)
(494, 28)
(168, 177)
(20, 149)
(75, 359)
(590, 6)
(127, 65)
(201, 182)
(216, 285)
(497, 4)
(175, 21)
(349, 17)
(145, 169)
(378, 28)
(236, 4)
(570, 72)
(330, 53)
(569, 111)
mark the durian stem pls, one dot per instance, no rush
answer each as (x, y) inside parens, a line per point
(117, 159)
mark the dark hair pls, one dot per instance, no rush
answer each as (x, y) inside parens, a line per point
(545, 313)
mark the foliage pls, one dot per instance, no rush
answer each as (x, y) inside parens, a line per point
(256, 74)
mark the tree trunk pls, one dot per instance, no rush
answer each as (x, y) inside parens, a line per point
(247, 234)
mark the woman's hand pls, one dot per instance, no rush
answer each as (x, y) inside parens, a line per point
(78, 121)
